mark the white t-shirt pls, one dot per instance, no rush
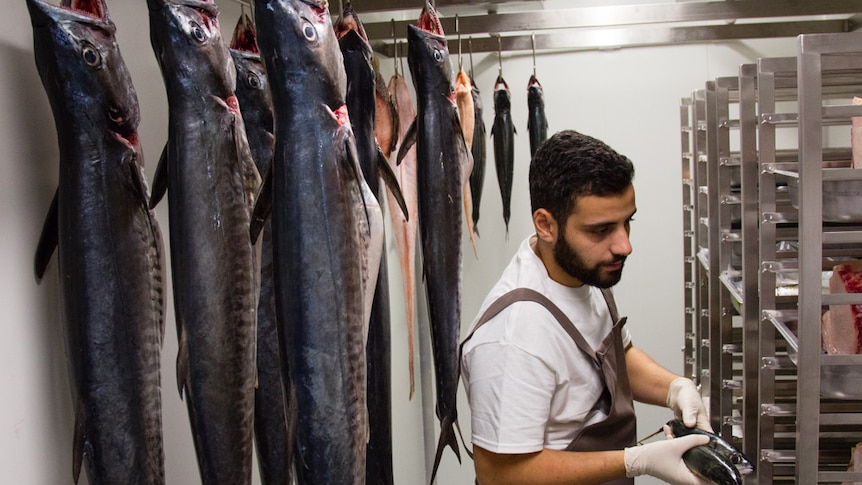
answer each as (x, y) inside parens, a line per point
(529, 386)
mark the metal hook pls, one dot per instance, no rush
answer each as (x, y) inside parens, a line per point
(401, 60)
(394, 41)
(500, 53)
(460, 57)
(533, 43)
(470, 46)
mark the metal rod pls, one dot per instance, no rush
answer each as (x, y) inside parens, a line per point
(500, 53)
(458, 32)
(395, 40)
(533, 43)
(470, 46)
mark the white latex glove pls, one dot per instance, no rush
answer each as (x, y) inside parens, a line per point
(686, 403)
(663, 460)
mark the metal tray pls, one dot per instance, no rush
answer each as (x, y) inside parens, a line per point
(842, 199)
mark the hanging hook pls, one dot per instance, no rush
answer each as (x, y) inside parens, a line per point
(500, 53)
(341, 7)
(470, 46)
(458, 31)
(401, 58)
(394, 41)
(533, 42)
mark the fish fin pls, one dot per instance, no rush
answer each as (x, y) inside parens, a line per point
(47, 240)
(463, 442)
(182, 361)
(408, 141)
(160, 179)
(447, 438)
(514, 130)
(353, 163)
(391, 181)
(78, 442)
(262, 206)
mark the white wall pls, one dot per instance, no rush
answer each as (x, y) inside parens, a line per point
(628, 98)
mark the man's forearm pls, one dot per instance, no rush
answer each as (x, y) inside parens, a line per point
(649, 381)
(548, 467)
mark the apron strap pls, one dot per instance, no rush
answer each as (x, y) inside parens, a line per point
(527, 294)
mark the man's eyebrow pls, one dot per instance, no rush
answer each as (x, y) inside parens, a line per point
(608, 222)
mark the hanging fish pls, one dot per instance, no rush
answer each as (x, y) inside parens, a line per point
(360, 99)
(477, 149)
(464, 101)
(504, 132)
(441, 155)
(317, 185)
(386, 121)
(211, 181)
(537, 123)
(403, 228)
(271, 434)
(108, 245)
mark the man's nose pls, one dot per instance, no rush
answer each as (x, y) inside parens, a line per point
(621, 244)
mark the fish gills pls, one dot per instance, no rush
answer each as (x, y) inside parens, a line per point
(211, 182)
(109, 246)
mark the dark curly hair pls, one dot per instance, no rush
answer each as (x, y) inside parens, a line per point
(569, 165)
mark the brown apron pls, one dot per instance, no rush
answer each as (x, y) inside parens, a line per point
(619, 429)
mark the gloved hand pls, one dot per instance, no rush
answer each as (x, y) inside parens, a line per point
(663, 460)
(686, 403)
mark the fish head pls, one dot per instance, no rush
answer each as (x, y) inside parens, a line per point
(502, 95)
(300, 49)
(189, 48)
(428, 54)
(462, 81)
(349, 20)
(81, 66)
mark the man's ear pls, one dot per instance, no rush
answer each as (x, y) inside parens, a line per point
(546, 226)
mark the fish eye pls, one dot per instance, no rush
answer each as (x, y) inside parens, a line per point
(197, 32)
(115, 114)
(91, 55)
(253, 80)
(438, 56)
(309, 31)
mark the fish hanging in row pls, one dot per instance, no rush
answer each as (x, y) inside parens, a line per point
(441, 154)
(322, 218)
(108, 244)
(271, 401)
(211, 182)
(503, 130)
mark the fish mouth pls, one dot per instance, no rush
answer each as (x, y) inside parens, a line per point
(533, 82)
(348, 21)
(130, 140)
(429, 21)
(500, 84)
(244, 36)
(93, 8)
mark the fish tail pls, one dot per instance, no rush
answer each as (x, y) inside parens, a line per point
(447, 438)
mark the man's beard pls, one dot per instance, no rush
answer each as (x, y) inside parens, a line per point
(574, 265)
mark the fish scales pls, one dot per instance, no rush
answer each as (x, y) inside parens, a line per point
(477, 148)
(271, 433)
(319, 288)
(108, 243)
(503, 131)
(441, 153)
(361, 99)
(211, 180)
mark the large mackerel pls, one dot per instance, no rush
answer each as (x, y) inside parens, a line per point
(477, 148)
(320, 233)
(271, 434)
(503, 131)
(108, 243)
(537, 122)
(361, 107)
(441, 154)
(211, 181)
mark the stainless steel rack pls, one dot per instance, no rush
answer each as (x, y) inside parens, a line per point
(753, 153)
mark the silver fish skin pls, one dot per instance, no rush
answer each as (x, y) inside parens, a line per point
(722, 446)
(478, 149)
(361, 107)
(211, 182)
(537, 122)
(108, 243)
(709, 464)
(317, 186)
(503, 131)
(271, 434)
(440, 152)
